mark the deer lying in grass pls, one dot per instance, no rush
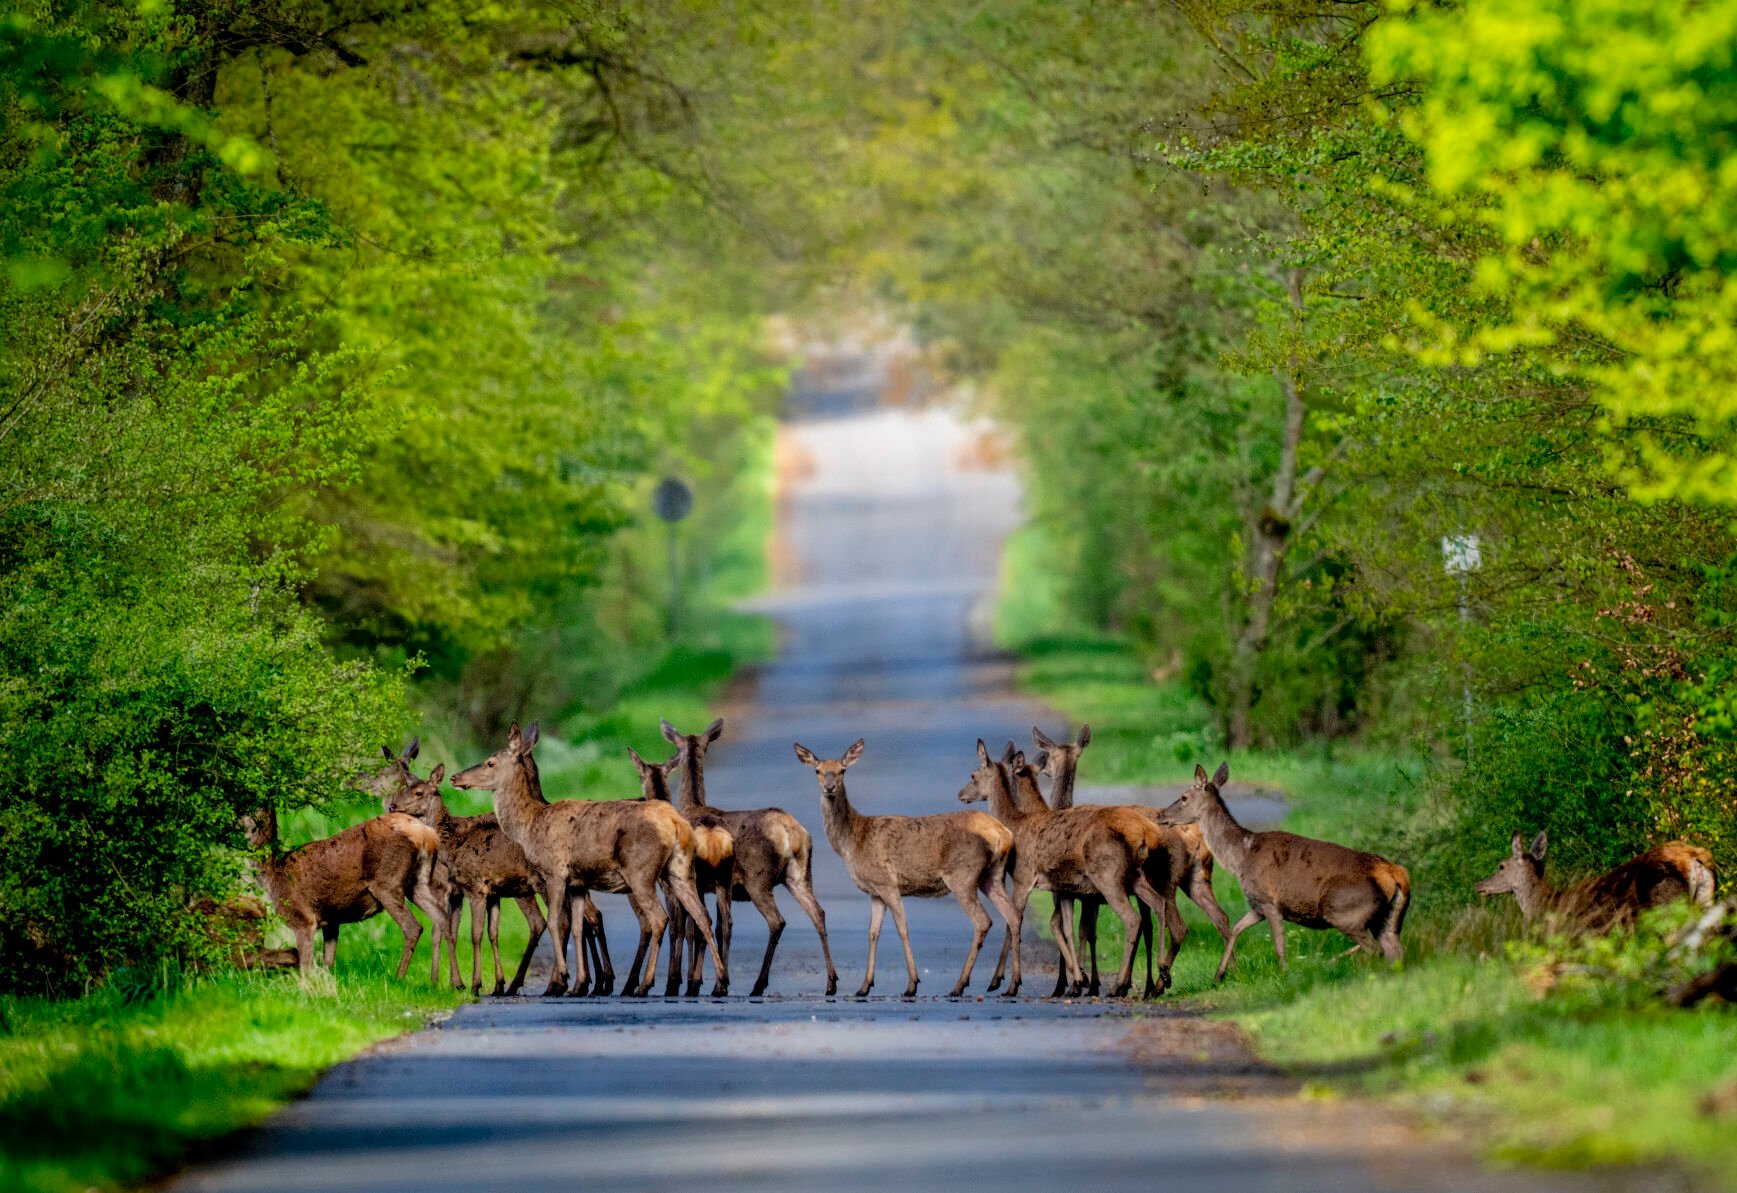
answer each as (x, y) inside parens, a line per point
(1097, 850)
(891, 857)
(383, 864)
(483, 867)
(576, 846)
(1317, 884)
(1189, 863)
(772, 849)
(1663, 874)
(714, 874)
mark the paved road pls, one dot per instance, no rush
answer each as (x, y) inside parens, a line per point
(890, 541)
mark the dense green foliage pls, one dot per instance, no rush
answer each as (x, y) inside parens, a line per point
(340, 348)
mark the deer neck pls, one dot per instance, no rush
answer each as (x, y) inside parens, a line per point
(1228, 840)
(1002, 804)
(693, 782)
(519, 799)
(842, 822)
(1537, 898)
(1061, 788)
(1026, 796)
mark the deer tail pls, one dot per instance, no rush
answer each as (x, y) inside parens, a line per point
(1701, 878)
(1395, 886)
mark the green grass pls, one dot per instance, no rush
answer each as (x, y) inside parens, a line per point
(1593, 1072)
(113, 1088)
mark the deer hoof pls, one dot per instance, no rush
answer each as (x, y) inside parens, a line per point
(674, 989)
(554, 988)
(606, 986)
(911, 990)
(720, 990)
(862, 991)
(994, 985)
(832, 985)
(580, 990)
(693, 990)
(760, 988)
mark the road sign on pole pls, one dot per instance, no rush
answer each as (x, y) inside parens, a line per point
(673, 501)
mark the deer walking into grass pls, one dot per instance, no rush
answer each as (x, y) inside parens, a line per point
(1664, 874)
(577, 846)
(714, 874)
(891, 858)
(1316, 884)
(383, 864)
(1187, 863)
(772, 849)
(1078, 851)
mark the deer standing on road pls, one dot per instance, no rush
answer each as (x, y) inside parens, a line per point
(576, 846)
(1189, 861)
(1095, 849)
(714, 874)
(771, 849)
(1663, 874)
(1317, 884)
(383, 864)
(891, 857)
(483, 867)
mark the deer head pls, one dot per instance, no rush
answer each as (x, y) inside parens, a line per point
(990, 774)
(654, 776)
(392, 778)
(492, 772)
(1055, 758)
(830, 771)
(421, 798)
(692, 744)
(1192, 804)
(1521, 873)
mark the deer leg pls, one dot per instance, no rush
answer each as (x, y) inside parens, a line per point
(1276, 922)
(479, 916)
(329, 938)
(896, 905)
(534, 917)
(653, 919)
(1058, 932)
(1177, 929)
(992, 887)
(1021, 895)
(799, 886)
(877, 909)
(1065, 905)
(1000, 963)
(690, 899)
(408, 924)
(599, 943)
(726, 922)
(678, 935)
(1159, 908)
(767, 905)
(695, 969)
(492, 912)
(1250, 919)
(1087, 953)
(1200, 890)
(966, 893)
(555, 895)
(1117, 898)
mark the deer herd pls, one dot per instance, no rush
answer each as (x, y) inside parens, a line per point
(670, 854)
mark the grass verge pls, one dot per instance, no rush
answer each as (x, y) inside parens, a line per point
(1474, 1030)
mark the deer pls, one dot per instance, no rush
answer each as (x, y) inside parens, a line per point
(714, 874)
(1317, 884)
(1095, 849)
(1663, 874)
(964, 854)
(1190, 862)
(382, 864)
(772, 849)
(576, 846)
(483, 867)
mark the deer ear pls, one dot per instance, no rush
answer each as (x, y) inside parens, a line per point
(414, 745)
(638, 762)
(669, 767)
(855, 752)
(532, 736)
(1017, 759)
(1040, 739)
(1042, 760)
(1085, 738)
(982, 752)
(1518, 844)
(803, 755)
(390, 756)
(1222, 776)
(437, 774)
(670, 733)
(1538, 844)
(715, 730)
(1199, 773)
(513, 735)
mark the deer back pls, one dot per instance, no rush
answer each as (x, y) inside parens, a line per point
(1305, 878)
(1661, 875)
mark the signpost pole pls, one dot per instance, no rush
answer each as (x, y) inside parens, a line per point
(673, 501)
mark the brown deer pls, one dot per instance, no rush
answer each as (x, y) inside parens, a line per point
(577, 846)
(891, 857)
(1317, 884)
(483, 867)
(1190, 861)
(772, 849)
(1663, 874)
(714, 874)
(381, 864)
(1100, 850)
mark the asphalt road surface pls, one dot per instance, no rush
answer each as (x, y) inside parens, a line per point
(890, 535)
